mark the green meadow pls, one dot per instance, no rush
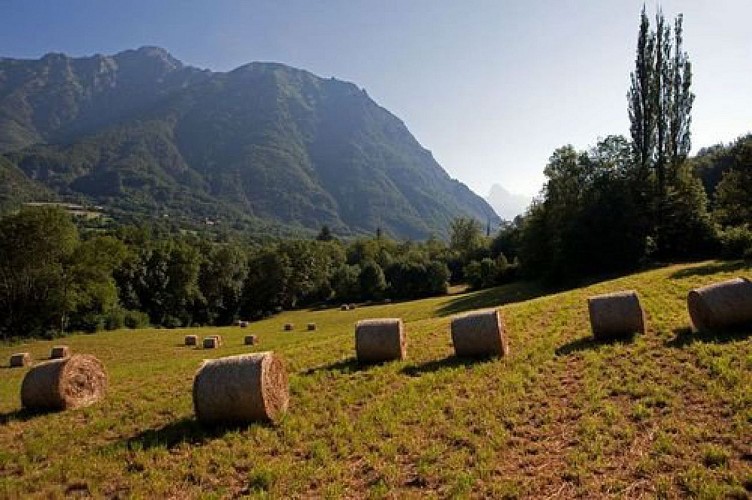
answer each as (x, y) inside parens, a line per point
(667, 414)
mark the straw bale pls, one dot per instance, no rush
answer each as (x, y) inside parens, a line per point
(59, 384)
(241, 389)
(479, 333)
(379, 340)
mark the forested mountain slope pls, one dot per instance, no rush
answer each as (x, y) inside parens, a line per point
(139, 132)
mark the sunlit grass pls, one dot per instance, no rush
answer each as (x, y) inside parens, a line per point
(667, 414)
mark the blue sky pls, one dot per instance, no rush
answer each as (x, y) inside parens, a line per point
(490, 87)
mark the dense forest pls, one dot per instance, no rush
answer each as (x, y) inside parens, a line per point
(622, 204)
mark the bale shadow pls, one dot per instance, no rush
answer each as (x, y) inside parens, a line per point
(448, 362)
(686, 336)
(494, 297)
(22, 415)
(183, 431)
(348, 365)
(711, 268)
(591, 343)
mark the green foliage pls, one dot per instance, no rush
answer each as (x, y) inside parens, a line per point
(466, 238)
(686, 229)
(736, 242)
(410, 278)
(50, 281)
(325, 234)
(265, 287)
(221, 277)
(346, 282)
(733, 197)
(711, 163)
(372, 280)
(592, 217)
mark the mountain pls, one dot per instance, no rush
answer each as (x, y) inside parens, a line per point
(506, 204)
(265, 144)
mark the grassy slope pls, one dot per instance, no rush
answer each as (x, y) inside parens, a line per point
(668, 414)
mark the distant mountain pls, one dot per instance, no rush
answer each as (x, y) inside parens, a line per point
(507, 205)
(265, 144)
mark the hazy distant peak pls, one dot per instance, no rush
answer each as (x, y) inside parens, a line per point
(507, 205)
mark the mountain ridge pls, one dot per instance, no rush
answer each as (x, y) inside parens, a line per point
(141, 132)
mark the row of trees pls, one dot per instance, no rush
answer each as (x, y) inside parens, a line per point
(55, 278)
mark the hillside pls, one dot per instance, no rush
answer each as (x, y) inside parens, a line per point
(666, 415)
(142, 133)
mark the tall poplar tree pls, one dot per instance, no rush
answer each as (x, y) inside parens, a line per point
(660, 104)
(641, 112)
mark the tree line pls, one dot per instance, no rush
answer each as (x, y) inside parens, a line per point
(55, 278)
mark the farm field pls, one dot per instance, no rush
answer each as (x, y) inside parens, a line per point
(668, 414)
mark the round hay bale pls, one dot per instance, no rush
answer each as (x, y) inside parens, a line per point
(210, 343)
(243, 324)
(616, 314)
(241, 389)
(191, 340)
(387, 301)
(721, 305)
(479, 333)
(20, 359)
(60, 351)
(289, 327)
(250, 340)
(378, 340)
(351, 307)
(311, 327)
(343, 307)
(220, 342)
(60, 384)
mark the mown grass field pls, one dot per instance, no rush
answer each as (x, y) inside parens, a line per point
(668, 414)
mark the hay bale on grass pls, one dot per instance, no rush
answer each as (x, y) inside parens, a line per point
(250, 340)
(616, 314)
(60, 351)
(243, 324)
(289, 327)
(721, 305)
(60, 384)
(351, 307)
(20, 359)
(343, 307)
(311, 327)
(379, 340)
(210, 343)
(191, 340)
(479, 333)
(241, 389)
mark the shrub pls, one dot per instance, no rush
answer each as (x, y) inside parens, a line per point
(135, 319)
(736, 242)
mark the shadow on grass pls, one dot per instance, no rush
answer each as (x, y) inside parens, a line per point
(494, 297)
(685, 336)
(21, 415)
(590, 343)
(711, 268)
(348, 365)
(186, 430)
(448, 362)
